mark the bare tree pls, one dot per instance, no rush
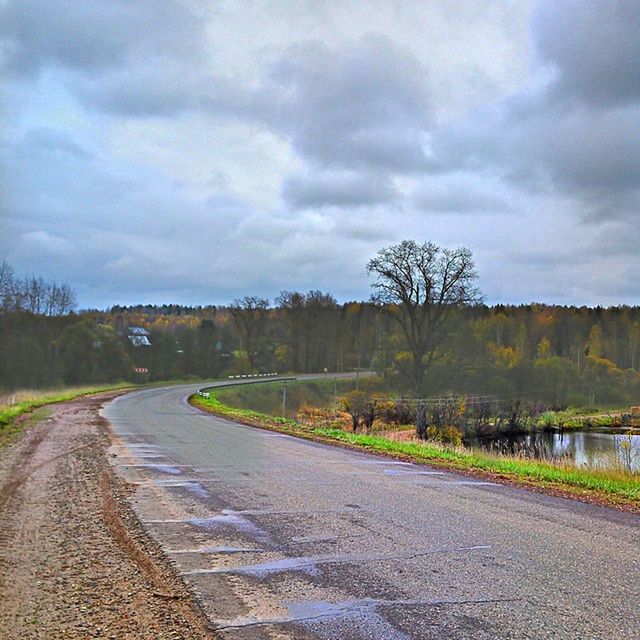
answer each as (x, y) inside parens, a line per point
(249, 314)
(33, 294)
(419, 285)
(65, 300)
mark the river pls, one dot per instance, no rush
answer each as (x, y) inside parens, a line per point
(584, 448)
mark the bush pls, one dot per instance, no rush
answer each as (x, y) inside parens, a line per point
(548, 420)
(447, 435)
(451, 436)
(399, 412)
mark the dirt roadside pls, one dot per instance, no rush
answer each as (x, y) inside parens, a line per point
(74, 561)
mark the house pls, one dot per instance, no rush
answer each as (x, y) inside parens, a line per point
(138, 336)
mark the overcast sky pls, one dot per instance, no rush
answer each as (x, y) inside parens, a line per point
(193, 152)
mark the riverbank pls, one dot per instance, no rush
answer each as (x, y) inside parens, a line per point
(617, 488)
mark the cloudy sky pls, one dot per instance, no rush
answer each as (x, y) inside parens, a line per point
(193, 152)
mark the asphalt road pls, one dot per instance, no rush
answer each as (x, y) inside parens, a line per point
(282, 538)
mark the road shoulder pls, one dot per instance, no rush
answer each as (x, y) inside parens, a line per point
(75, 561)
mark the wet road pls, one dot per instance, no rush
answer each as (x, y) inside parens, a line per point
(282, 538)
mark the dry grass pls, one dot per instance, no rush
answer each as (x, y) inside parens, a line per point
(22, 401)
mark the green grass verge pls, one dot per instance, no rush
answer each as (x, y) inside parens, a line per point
(611, 486)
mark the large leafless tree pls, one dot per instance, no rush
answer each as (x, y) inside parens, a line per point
(419, 285)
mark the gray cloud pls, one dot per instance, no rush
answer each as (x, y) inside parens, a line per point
(143, 161)
(364, 105)
(594, 46)
(360, 104)
(576, 133)
(337, 189)
(53, 142)
(113, 228)
(92, 36)
(460, 193)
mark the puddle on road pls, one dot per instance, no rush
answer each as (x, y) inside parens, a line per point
(385, 462)
(215, 550)
(313, 612)
(313, 539)
(366, 611)
(170, 482)
(304, 564)
(231, 520)
(196, 488)
(144, 456)
(461, 483)
(162, 468)
(310, 564)
(193, 486)
(140, 445)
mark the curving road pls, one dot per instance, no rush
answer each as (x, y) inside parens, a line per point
(283, 538)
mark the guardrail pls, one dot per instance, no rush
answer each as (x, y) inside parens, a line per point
(245, 379)
(253, 375)
(253, 378)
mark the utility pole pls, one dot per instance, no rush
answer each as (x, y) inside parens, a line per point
(335, 398)
(284, 399)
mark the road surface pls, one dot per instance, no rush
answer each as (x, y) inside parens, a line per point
(279, 537)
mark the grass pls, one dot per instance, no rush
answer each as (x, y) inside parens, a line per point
(610, 486)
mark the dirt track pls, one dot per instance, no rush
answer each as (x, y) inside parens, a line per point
(74, 562)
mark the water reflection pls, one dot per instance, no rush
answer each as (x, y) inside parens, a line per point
(585, 448)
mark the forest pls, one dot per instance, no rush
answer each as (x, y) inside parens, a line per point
(562, 355)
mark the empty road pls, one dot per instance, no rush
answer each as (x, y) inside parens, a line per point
(283, 538)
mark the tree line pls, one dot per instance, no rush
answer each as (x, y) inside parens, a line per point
(426, 330)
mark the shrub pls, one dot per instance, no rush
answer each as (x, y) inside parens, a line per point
(452, 436)
(447, 435)
(548, 419)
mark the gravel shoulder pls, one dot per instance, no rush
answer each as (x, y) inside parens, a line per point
(74, 560)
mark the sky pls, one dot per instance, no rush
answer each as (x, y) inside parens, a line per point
(195, 152)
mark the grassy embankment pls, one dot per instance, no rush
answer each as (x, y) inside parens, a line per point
(266, 397)
(579, 418)
(610, 486)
